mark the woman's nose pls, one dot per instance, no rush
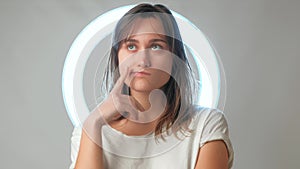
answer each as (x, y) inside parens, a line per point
(144, 58)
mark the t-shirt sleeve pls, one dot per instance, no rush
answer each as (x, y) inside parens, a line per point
(215, 127)
(75, 142)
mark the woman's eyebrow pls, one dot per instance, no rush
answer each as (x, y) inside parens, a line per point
(158, 40)
(152, 40)
(131, 40)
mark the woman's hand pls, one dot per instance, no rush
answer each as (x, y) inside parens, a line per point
(118, 104)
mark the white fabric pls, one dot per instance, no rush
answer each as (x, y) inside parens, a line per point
(209, 125)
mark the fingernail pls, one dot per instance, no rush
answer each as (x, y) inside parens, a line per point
(125, 114)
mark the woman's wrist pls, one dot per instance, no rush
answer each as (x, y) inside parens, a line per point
(101, 115)
(92, 126)
(107, 110)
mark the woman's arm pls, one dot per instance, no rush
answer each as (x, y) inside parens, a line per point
(212, 155)
(89, 155)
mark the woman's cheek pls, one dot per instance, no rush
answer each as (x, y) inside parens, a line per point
(163, 63)
(122, 57)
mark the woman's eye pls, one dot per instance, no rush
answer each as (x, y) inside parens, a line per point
(156, 47)
(131, 47)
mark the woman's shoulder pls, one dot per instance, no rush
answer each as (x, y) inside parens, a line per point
(205, 116)
(204, 112)
(211, 124)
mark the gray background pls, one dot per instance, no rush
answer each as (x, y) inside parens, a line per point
(258, 42)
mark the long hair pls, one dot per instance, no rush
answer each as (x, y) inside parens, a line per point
(179, 93)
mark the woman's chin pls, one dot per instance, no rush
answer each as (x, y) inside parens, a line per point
(146, 84)
(141, 88)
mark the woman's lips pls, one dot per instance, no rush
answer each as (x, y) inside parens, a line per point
(141, 73)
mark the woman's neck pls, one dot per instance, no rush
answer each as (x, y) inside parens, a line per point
(142, 100)
(152, 103)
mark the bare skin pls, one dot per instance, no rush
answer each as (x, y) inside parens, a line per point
(213, 155)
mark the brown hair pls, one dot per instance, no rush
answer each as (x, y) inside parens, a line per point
(177, 115)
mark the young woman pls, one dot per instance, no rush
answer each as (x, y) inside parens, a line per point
(150, 118)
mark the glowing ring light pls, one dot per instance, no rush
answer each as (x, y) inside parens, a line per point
(211, 69)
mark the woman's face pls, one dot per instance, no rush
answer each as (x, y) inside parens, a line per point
(146, 53)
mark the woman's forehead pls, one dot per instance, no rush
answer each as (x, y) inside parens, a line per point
(146, 26)
(151, 37)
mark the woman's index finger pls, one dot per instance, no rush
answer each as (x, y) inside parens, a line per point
(121, 80)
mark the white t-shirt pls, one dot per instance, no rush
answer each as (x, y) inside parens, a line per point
(134, 152)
